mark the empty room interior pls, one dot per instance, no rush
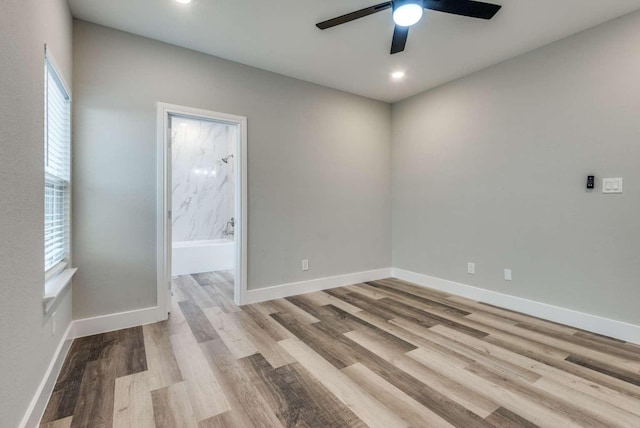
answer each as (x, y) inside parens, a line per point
(302, 213)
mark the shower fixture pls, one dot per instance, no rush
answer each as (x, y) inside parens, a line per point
(229, 231)
(226, 160)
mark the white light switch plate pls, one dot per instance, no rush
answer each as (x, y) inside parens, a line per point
(471, 268)
(612, 185)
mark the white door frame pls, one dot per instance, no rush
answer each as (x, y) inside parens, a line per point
(164, 200)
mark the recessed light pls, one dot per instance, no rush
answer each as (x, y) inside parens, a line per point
(397, 75)
(184, 1)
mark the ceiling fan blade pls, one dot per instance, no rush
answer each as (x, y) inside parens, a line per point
(399, 39)
(354, 15)
(474, 9)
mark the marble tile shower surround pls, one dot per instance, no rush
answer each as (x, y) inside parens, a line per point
(203, 187)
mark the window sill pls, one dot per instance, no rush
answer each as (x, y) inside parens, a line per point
(55, 288)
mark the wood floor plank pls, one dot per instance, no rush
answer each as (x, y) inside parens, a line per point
(413, 412)
(229, 328)
(428, 293)
(446, 397)
(394, 292)
(205, 393)
(320, 313)
(267, 324)
(503, 418)
(172, 408)
(508, 337)
(578, 370)
(371, 411)
(362, 302)
(348, 352)
(297, 398)
(266, 346)
(133, 407)
(94, 407)
(383, 353)
(327, 299)
(62, 402)
(230, 419)
(408, 335)
(587, 352)
(523, 405)
(587, 381)
(517, 317)
(284, 306)
(589, 342)
(362, 289)
(240, 393)
(65, 392)
(221, 299)
(429, 319)
(609, 369)
(128, 350)
(612, 414)
(205, 278)
(193, 291)
(161, 361)
(200, 326)
(441, 336)
(60, 423)
(561, 406)
(320, 341)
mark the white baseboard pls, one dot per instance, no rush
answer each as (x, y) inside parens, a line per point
(41, 398)
(608, 327)
(111, 322)
(302, 287)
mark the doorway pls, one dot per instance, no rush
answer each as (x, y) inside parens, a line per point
(201, 202)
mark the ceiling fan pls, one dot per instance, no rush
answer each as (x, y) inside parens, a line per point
(408, 12)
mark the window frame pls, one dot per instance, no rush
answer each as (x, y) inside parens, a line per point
(58, 276)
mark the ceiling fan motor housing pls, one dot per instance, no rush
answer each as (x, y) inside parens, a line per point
(397, 3)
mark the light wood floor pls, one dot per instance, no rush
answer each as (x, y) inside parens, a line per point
(382, 354)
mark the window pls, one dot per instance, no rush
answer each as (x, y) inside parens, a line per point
(57, 171)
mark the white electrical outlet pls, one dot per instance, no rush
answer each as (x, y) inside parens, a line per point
(53, 324)
(471, 268)
(507, 274)
(305, 265)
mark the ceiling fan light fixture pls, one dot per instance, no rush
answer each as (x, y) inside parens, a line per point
(407, 13)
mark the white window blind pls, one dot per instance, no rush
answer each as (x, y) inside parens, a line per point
(57, 157)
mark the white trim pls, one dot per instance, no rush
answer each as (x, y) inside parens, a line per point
(54, 271)
(52, 60)
(302, 287)
(43, 393)
(56, 286)
(605, 326)
(164, 199)
(111, 322)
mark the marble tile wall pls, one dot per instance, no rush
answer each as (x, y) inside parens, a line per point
(203, 187)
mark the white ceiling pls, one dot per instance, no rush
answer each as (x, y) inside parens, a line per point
(280, 36)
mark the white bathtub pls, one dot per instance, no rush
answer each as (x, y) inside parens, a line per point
(202, 256)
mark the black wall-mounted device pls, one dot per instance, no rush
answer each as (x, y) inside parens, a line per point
(591, 182)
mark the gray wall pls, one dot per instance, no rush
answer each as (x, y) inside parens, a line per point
(27, 345)
(319, 167)
(492, 169)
